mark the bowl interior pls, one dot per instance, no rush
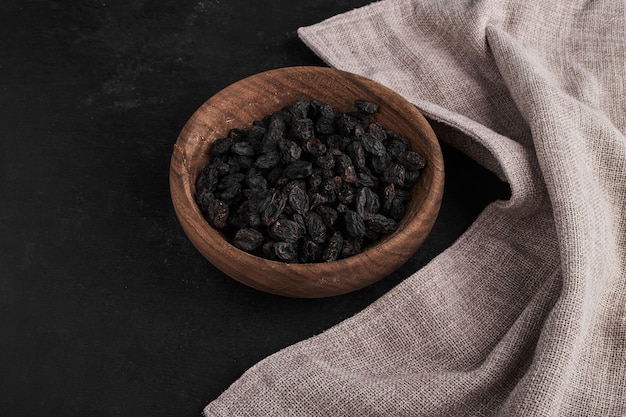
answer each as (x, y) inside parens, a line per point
(252, 98)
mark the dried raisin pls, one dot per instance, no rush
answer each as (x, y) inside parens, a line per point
(308, 183)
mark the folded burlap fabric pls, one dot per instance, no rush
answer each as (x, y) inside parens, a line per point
(525, 315)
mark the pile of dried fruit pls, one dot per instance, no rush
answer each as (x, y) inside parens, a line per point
(308, 183)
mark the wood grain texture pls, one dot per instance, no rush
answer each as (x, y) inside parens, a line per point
(252, 98)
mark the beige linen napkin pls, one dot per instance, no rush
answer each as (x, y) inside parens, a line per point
(525, 315)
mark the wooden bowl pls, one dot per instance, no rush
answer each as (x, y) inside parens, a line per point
(252, 98)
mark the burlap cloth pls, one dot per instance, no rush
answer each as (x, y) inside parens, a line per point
(525, 315)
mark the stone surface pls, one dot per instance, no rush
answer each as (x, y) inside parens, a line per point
(106, 309)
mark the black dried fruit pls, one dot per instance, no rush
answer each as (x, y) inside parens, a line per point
(325, 161)
(308, 183)
(317, 200)
(271, 138)
(366, 106)
(351, 246)
(286, 251)
(298, 169)
(315, 180)
(329, 215)
(231, 192)
(314, 146)
(380, 163)
(208, 179)
(355, 225)
(315, 227)
(299, 199)
(242, 148)
(300, 108)
(302, 129)
(204, 199)
(411, 160)
(248, 239)
(217, 213)
(290, 151)
(333, 249)
(268, 160)
(285, 230)
(221, 146)
(367, 202)
(381, 224)
(373, 145)
(325, 125)
(396, 209)
(411, 176)
(394, 174)
(256, 180)
(326, 111)
(272, 206)
(345, 168)
(311, 252)
(357, 153)
(347, 194)
(345, 123)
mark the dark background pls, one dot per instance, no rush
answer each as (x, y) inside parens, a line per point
(106, 309)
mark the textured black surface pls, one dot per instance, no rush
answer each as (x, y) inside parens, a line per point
(106, 309)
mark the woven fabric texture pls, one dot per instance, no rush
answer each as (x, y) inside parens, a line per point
(525, 315)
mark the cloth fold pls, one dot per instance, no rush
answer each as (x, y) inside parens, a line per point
(525, 315)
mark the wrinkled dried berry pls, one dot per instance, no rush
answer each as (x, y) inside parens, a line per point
(381, 224)
(311, 252)
(411, 160)
(366, 106)
(345, 123)
(315, 180)
(314, 146)
(286, 251)
(395, 174)
(357, 153)
(242, 148)
(380, 163)
(221, 146)
(204, 199)
(272, 206)
(268, 160)
(299, 199)
(345, 168)
(248, 239)
(367, 202)
(351, 247)
(355, 225)
(329, 215)
(285, 230)
(255, 180)
(298, 169)
(346, 194)
(315, 227)
(217, 213)
(373, 145)
(325, 126)
(300, 108)
(290, 151)
(208, 179)
(396, 209)
(411, 176)
(231, 192)
(308, 183)
(302, 129)
(333, 249)
(325, 161)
